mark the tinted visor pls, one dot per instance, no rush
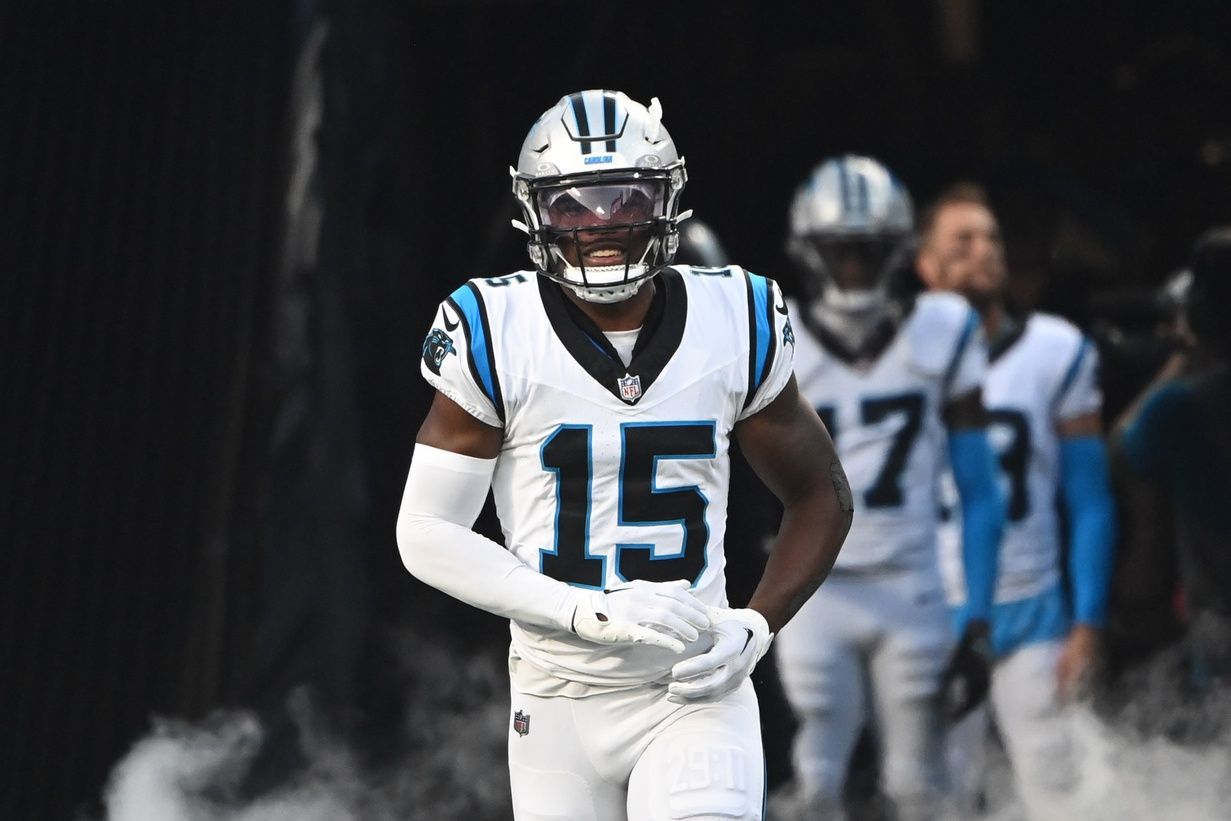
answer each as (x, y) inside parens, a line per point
(598, 206)
(855, 264)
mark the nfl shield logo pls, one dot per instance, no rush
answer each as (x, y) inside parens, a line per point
(521, 722)
(630, 387)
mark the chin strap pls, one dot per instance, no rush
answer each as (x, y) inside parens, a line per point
(609, 294)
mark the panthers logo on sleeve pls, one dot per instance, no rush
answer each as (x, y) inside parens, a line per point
(436, 347)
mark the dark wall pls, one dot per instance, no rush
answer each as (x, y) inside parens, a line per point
(141, 166)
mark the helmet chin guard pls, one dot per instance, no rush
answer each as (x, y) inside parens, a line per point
(598, 182)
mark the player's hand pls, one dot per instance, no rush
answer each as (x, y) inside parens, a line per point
(658, 614)
(1076, 663)
(741, 637)
(968, 676)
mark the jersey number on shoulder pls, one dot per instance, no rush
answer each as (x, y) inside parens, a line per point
(886, 490)
(505, 281)
(1014, 458)
(568, 454)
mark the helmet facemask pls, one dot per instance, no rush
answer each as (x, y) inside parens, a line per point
(853, 273)
(602, 234)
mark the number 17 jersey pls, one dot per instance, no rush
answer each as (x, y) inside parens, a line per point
(611, 472)
(883, 410)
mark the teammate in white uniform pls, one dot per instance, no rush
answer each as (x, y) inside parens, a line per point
(1044, 407)
(897, 381)
(597, 396)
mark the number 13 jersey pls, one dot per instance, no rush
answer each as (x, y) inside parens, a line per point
(1043, 373)
(612, 472)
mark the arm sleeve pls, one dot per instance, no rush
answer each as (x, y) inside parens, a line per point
(444, 493)
(974, 473)
(771, 344)
(457, 356)
(1079, 393)
(1092, 525)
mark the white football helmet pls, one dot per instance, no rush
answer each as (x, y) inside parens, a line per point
(851, 230)
(599, 182)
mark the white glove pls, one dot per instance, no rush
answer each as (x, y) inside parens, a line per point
(741, 637)
(660, 614)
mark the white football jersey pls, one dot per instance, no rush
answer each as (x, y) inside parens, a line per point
(883, 410)
(1041, 375)
(611, 473)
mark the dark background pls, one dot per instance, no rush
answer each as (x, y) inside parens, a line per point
(214, 284)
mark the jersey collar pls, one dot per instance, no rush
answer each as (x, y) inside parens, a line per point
(658, 341)
(1007, 339)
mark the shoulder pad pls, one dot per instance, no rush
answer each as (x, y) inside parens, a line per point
(938, 326)
(1054, 331)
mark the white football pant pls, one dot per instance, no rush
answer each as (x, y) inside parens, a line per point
(869, 646)
(1023, 703)
(631, 755)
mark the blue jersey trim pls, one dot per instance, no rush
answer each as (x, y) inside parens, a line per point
(1070, 376)
(762, 333)
(972, 322)
(479, 349)
(1040, 618)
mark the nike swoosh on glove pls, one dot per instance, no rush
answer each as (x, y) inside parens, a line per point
(658, 614)
(968, 676)
(741, 637)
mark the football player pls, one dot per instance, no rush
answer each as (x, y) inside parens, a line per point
(896, 378)
(597, 395)
(1045, 424)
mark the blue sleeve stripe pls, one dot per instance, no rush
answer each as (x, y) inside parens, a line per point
(1070, 375)
(761, 332)
(972, 322)
(478, 334)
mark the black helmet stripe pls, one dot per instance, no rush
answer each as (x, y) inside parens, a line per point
(845, 184)
(609, 120)
(583, 122)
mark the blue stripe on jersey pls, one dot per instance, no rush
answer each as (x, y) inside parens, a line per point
(1044, 617)
(1070, 376)
(468, 303)
(972, 322)
(764, 333)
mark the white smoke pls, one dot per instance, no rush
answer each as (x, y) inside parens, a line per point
(1128, 776)
(1161, 756)
(452, 767)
